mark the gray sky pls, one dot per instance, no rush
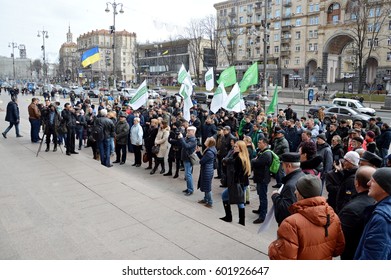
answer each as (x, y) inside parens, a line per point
(153, 20)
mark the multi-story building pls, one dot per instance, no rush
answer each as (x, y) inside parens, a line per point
(69, 59)
(160, 62)
(312, 39)
(125, 43)
(22, 69)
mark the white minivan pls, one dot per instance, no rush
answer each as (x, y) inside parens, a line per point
(354, 104)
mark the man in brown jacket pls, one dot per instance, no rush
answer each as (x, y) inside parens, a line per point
(313, 231)
(35, 119)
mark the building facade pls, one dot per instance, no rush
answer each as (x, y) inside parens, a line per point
(69, 59)
(160, 62)
(125, 44)
(313, 40)
(22, 69)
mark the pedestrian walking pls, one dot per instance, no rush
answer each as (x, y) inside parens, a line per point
(12, 116)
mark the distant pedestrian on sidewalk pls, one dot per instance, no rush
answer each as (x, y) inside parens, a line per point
(12, 116)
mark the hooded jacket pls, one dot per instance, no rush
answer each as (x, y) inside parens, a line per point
(312, 232)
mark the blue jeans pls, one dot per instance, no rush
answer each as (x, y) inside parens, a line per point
(189, 175)
(104, 151)
(10, 126)
(225, 196)
(384, 154)
(208, 198)
(262, 193)
(112, 148)
(34, 132)
(80, 132)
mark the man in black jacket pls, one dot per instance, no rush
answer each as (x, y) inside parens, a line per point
(285, 196)
(352, 215)
(12, 117)
(69, 118)
(261, 167)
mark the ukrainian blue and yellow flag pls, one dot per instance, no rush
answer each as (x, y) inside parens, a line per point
(89, 57)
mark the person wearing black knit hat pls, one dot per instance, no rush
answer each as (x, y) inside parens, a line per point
(313, 231)
(375, 243)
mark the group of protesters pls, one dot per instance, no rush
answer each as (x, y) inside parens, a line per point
(349, 160)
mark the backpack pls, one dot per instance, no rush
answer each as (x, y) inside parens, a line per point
(275, 166)
(97, 132)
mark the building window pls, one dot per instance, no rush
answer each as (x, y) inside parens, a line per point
(389, 25)
(389, 41)
(242, 9)
(374, 43)
(311, 34)
(310, 47)
(297, 48)
(278, 13)
(277, 25)
(314, 20)
(278, 2)
(241, 20)
(389, 56)
(298, 35)
(288, 12)
(298, 22)
(276, 37)
(316, 7)
(374, 27)
(297, 60)
(298, 9)
(276, 49)
(249, 19)
(286, 61)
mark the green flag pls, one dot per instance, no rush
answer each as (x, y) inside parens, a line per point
(249, 78)
(273, 104)
(228, 76)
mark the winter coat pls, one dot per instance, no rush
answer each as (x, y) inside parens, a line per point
(353, 222)
(162, 140)
(150, 136)
(375, 242)
(312, 232)
(208, 130)
(384, 140)
(12, 116)
(325, 152)
(282, 201)
(176, 146)
(121, 132)
(340, 186)
(207, 169)
(225, 145)
(108, 127)
(293, 136)
(338, 152)
(235, 176)
(55, 125)
(261, 167)
(189, 145)
(136, 135)
(281, 146)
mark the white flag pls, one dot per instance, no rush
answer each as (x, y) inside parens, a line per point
(219, 98)
(233, 101)
(185, 92)
(209, 80)
(141, 96)
(182, 74)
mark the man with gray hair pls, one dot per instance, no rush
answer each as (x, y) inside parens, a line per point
(104, 143)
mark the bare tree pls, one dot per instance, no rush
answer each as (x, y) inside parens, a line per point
(36, 66)
(209, 29)
(365, 19)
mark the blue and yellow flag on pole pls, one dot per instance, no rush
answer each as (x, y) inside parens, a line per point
(89, 57)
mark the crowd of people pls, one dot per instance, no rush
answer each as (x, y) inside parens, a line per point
(332, 192)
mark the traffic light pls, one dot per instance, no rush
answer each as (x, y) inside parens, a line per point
(112, 29)
(42, 48)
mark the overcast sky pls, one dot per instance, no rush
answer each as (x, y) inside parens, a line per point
(153, 20)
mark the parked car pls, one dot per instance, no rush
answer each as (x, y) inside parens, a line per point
(94, 93)
(153, 94)
(354, 104)
(128, 92)
(345, 113)
(201, 97)
(313, 111)
(252, 99)
(161, 91)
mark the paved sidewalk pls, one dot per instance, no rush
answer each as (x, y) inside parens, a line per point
(70, 207)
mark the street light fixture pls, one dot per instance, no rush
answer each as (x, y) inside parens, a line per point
(13, 45)
(114, 5)
(45, 35)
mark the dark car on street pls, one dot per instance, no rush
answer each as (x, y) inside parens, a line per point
(94, 93)
(252, 99)
(203, 97)
(345, 113)
(313, 111)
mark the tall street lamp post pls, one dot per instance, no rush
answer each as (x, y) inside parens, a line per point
(112, 29)
(45, 35)
(265, 42)
(13, 45)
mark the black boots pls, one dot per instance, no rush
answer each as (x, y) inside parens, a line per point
(169, 173)
(228, 213)
(55, 148)
(47, 148)
(241, 216)
(155, 167)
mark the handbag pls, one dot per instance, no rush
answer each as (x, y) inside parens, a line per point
(194, 159)
(145, 157)
(155, 149)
